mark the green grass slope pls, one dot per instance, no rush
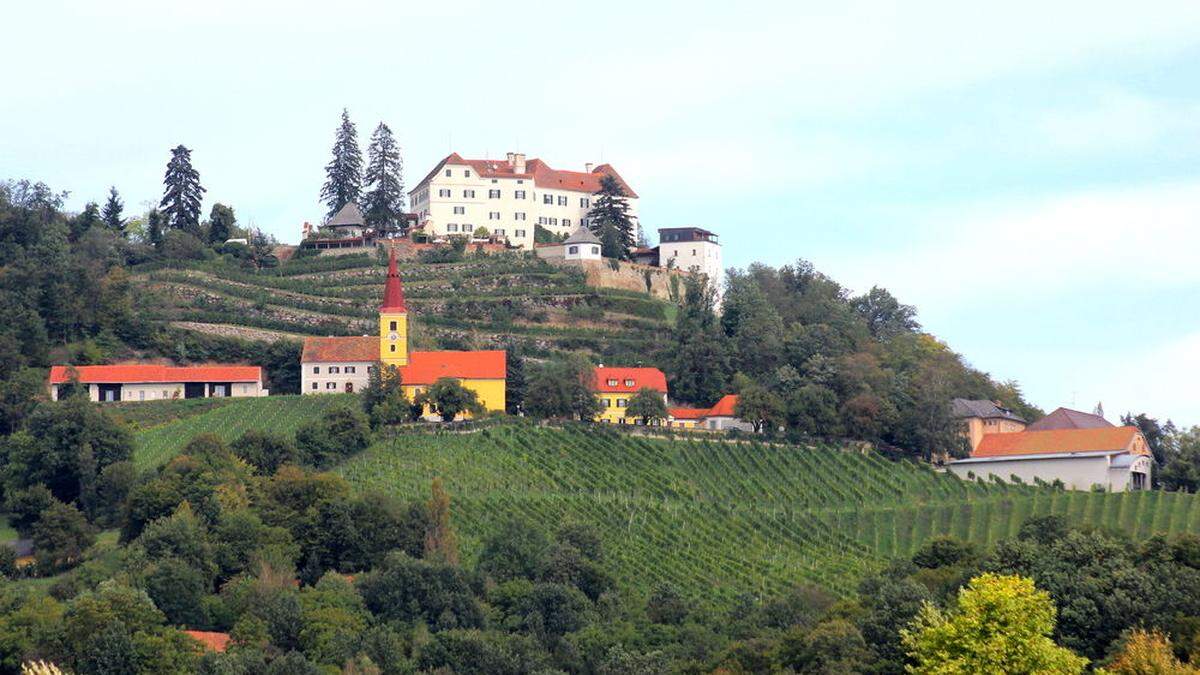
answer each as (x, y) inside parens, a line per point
(482, 301)
(276, 414)
(723, 518)
(718, 518)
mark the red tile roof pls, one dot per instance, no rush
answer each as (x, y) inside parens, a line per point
(393, 292)
(1065, 418)
(1058, 441)
(724, 407)
(688, 413)
(641, 377)
(139, 372)
(340, 349)
(214, 642)
(422, 368)
(543, 176)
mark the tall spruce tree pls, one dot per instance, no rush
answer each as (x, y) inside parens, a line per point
(182, 192)
(609, 220)
(383, 202)
(111, 215)
(699, 367)
(343, 173)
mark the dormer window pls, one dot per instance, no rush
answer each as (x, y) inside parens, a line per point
(612, 382)
(628, 383)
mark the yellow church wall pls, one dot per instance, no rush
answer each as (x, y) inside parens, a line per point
(491, 393)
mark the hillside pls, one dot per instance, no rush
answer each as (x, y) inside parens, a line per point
(514, 301)
(717, 518)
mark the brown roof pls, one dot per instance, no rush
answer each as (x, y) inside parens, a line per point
(340, 349)
(542, 175)
(1057, 441)
(349, 214)
(1065, 418)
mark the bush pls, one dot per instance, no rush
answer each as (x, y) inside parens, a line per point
(339, 433)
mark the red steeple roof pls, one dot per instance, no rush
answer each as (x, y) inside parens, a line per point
(393, 293)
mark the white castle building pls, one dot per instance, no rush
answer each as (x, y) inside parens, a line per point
(508, 197)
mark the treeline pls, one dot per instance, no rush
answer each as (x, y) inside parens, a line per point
(809, 357)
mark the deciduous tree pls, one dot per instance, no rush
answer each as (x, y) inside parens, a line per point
(647, 405)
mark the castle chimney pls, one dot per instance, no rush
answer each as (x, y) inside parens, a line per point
(510, 157)
(518, 162)
(588, 167)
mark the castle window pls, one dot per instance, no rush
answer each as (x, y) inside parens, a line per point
(467, 173)
(331, 385)
(573, 250)
(547, 199)
(519, 194)
(350, 369)
(316, 370)
(566, 222)
(333, 369)
(469, 194)
(583, 202)
(518, 216)
(493, 194)
(459, 210)
(562, 201)
(452, 227)
(314, 385)
(520, 234)
(595, 250)
(447, 173)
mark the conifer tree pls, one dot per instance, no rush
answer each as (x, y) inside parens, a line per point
(182, 192)
(111, 215)
(154, 228)
(343, 173)
(441, 544)
(609, 219)
(383, 202)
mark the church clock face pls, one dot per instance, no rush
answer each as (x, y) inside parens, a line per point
(393, 336)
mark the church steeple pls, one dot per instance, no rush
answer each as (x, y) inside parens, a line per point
(393, 319)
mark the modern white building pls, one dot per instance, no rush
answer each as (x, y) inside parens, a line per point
(154, 382)
(693, 249)
(508, 197)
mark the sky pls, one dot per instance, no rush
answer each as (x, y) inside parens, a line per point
(1027, 174)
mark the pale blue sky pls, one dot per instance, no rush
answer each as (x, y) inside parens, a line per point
(1026, 173)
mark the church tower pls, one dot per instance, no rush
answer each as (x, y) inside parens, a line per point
(393, 319)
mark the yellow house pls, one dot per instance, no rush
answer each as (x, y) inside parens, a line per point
(344, 364)
(616, 386)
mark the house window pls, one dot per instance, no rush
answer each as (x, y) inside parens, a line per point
(493, 194)
(392, 325)
(467, 173)
(393, 347)
(595, 250)
(447, 173)
(498, 232)
(583, 202)
(547, 199)
(622, 402)
(331, 385)
(493, 215)
(573, 250)
(628, 383)
(520, 234)
(333, 369)
(612, 382)
(443, 193)
(459, 210)
(518, 216)
(562, 201)
(314, 385)
(350, 369)
(316, 370)
(519, 194)
(452, 227)
(142, 395)
(166, 393)
(468, 194)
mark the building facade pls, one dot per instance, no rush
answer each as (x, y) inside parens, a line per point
(1115, 459)
(331, 365)
(720, 417)
(980, 417)
(693, 249)
(508, 197)
(151, 382)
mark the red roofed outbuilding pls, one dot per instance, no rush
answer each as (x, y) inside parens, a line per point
(150, 382)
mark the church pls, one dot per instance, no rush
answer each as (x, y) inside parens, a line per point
(330, 365)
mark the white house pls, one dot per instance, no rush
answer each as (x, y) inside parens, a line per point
(508, 197)
(693, 249)
(1114, 458)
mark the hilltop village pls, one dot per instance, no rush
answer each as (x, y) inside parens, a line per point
(486, 424)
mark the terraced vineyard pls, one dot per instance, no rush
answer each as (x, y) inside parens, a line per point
(725, 518)
(483, 301)
(278, 414)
